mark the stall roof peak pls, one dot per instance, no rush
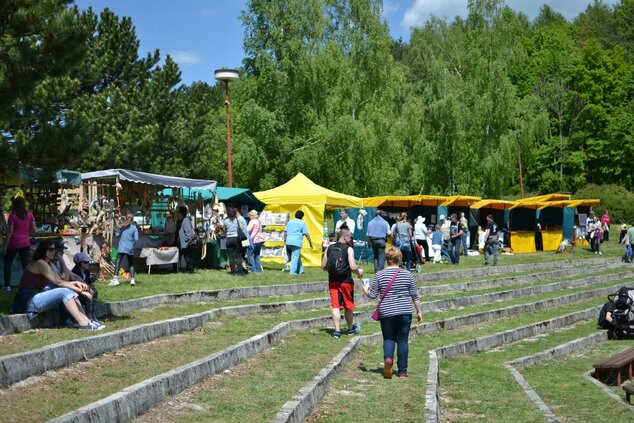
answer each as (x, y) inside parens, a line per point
(301, 190)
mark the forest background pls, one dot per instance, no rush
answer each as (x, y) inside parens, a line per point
(325, 90)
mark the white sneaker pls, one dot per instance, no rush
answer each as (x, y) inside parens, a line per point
(114, 282)
(132, 282)
(600, 253)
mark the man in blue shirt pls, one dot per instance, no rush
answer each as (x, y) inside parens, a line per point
(294, 234)
(378, 231)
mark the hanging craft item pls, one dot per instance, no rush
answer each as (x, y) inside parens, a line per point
(360, 218)
(62, 202)
(118, 189)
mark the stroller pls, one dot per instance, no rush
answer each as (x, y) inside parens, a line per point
(417, 258)
(623, 314)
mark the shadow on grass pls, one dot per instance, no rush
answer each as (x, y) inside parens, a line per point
(366, 369)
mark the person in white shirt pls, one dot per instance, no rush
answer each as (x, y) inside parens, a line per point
(421, 233)
(345, 219)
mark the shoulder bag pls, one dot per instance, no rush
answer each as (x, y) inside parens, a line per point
(375, 315)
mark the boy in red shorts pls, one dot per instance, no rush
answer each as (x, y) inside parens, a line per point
(339, 261)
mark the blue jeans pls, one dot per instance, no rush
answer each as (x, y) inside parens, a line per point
(445, 252)
(454, 250)
(253, 254)
(48, 299)
(395, 331)
(465, 243)
(407, 255)
(295, 254)
(8, 261)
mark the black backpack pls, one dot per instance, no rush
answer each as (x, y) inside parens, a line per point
(337, 262)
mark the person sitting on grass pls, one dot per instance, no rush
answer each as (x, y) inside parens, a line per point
(41, 289)
(606, 321)
(81, 261)
(59, 267)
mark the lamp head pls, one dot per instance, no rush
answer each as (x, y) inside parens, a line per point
(226, 75)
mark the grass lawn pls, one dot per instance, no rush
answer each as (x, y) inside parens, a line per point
(265, 382)
(560, 383)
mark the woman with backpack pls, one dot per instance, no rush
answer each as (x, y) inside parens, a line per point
(402, 238)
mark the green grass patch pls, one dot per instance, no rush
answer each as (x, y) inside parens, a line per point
(560, 383)
(85, 382)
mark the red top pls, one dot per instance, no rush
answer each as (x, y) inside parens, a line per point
(605, 219)
(32, 280)
(21, 231)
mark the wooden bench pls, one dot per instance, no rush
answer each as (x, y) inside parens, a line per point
(617, 365)
(629, 390)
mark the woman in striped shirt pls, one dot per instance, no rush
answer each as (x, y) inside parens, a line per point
(395, 309)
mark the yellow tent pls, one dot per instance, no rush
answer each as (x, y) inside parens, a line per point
(493, 204)
(460, 201)
(404, 201)
(300, 193)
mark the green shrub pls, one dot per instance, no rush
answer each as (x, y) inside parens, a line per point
(615, 198)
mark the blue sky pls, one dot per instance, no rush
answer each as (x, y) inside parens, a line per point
(204, 35)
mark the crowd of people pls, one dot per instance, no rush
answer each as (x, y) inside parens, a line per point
(446, 241)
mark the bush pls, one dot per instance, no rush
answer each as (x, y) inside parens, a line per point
(615, 198)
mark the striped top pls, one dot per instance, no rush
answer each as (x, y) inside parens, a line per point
(399, 298)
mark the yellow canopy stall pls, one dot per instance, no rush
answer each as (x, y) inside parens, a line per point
(404, 201)
(300, 193)
(460, 201)
(523, 220)
(493, 204)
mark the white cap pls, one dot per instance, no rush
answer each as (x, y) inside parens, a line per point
(442, 217)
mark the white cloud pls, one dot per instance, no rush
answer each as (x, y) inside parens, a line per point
(421, 10)
(186, 58)
(390, 7)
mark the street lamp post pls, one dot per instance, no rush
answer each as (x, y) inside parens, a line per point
(226, 76)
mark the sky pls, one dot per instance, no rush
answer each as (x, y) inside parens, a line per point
(204, 35)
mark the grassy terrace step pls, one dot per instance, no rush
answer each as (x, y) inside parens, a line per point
(362, 379)
(238, 384)
(534, 282)
(22, 342)
(99, 377)
(465, 396)
(169, 353)
(489, 285)
(432, 287)
(560, 383)
(84, 349)
(170, 311)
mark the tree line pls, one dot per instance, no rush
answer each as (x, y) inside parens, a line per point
(325, 90)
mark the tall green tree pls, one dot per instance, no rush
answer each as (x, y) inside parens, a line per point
(38, 40)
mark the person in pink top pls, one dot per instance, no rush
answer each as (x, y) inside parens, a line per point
(20, 227)
(255, 232)
(606, 222)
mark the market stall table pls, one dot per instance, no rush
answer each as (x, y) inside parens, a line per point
(159, 256)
